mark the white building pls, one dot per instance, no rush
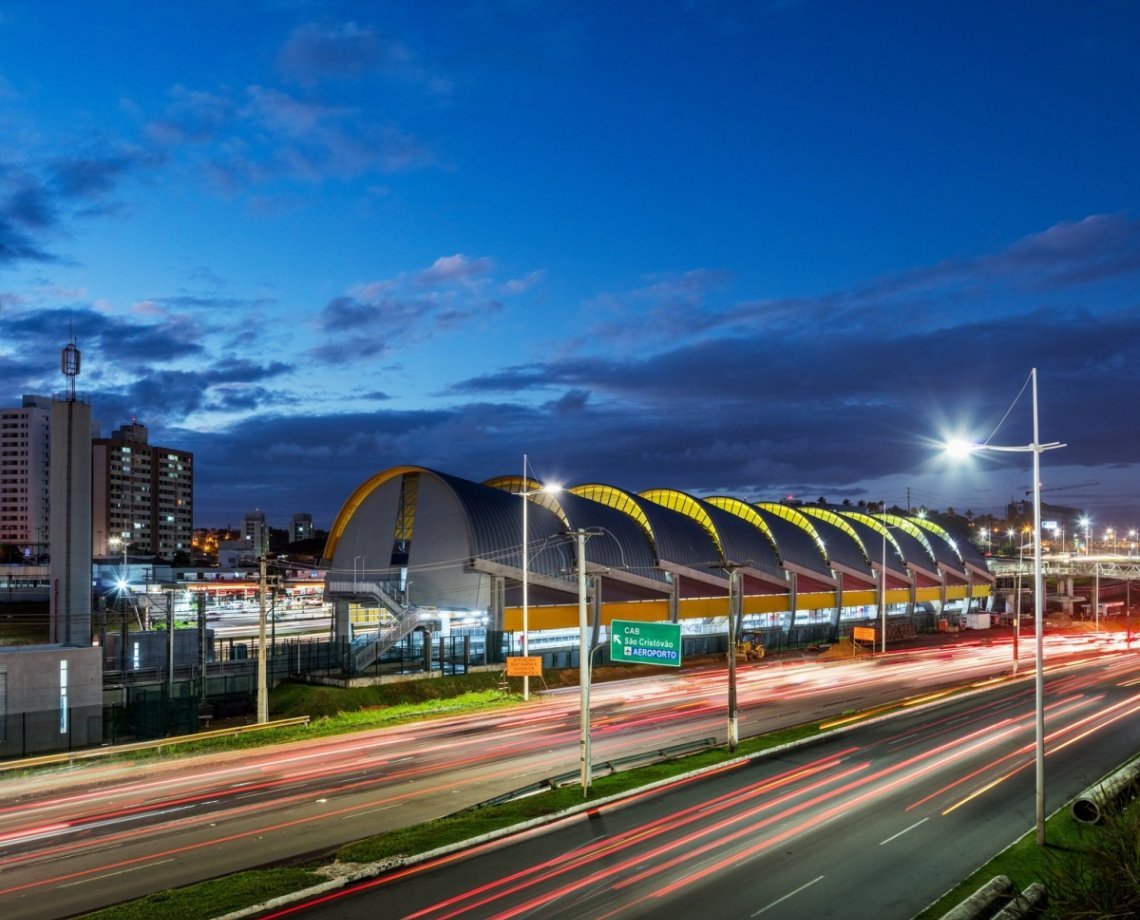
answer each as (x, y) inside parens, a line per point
(25, 476)
(256, 531)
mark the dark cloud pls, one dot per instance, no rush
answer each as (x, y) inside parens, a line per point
(34, 209)
(118, 338)
(27, 214)
(96, 175)
(412, 308)
(18, 246)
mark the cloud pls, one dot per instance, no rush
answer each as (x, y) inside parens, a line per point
(314, 52)
(262, 135)
(97, 174)
(317, 52)
(455, 269)
(38, 201)
(1097, 248)
(413, 307)
(192, 116)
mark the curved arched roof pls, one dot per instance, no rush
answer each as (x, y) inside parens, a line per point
(676, 537)
(799, 541)
(739, 540)
(456, 522)
(909, 546)
(844, 545)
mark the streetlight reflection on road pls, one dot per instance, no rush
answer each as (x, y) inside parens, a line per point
(1036, 448)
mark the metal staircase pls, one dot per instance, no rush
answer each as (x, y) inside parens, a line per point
(369, 646)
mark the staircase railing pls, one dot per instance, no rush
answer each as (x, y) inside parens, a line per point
(371, 645)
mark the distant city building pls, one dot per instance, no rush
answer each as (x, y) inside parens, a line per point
(143, 495)
(255, 530)
(301, 527)
(25, 476)
(236, 553)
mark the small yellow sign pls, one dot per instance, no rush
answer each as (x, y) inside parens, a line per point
(863, 634)
(530, 666)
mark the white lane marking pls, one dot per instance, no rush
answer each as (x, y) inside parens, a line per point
(788, 895)
(95, 878)
(903, 831)
(371, 811)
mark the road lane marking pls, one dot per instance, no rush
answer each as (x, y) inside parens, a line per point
(96, 878)
(371, 811)
(785, 897)
(904, 830)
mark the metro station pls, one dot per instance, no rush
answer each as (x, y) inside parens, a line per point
(418, 549)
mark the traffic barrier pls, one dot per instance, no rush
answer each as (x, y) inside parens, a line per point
(1091, 805)
(68, 757)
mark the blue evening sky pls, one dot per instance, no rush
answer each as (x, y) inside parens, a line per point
(767, 249)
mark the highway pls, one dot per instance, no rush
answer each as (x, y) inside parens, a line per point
(876, 822)
(90, 836)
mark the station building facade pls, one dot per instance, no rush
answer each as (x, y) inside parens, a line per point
(413, 543)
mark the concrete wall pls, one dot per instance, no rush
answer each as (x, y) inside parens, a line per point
(52, 699)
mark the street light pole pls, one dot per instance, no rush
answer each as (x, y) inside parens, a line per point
(583, 664)
(1037, 448)
(883, 588)
(1039, 617)
(733, 605)
(525, 578)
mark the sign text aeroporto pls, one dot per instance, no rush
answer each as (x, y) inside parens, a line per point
(634, 642)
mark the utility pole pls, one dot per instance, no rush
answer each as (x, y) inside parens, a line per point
(169, 648)
(735, 607)
(733, 714)
(583, 663)
(262, 689)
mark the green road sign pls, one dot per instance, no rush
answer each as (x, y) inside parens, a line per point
(646, 643)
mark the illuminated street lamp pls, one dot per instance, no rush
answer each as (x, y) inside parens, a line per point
(1036, 448)
(1086, 524)
(526, 496)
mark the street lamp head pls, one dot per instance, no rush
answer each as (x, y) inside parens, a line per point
(959, 448)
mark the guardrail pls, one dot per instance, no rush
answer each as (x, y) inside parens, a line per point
(70, 757)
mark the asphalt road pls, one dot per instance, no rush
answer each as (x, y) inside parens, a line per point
(877, 822)
(90, 836)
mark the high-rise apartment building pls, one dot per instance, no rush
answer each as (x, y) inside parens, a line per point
(256, 531)
(142, 494)
(25, 477)
(301, 527)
